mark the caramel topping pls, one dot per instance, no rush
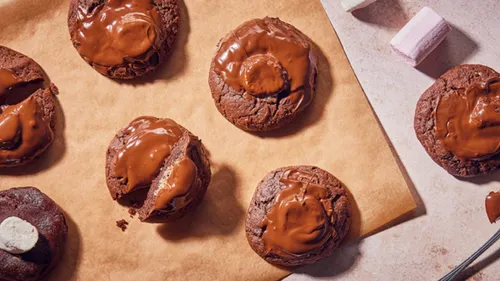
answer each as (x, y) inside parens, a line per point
(263, 58)
(468, 121)
(174, 189)
(23, 131)
(492, 204)
(7, 80)
(299, 220)
(263, 75)
(147, 142)
(118, 31)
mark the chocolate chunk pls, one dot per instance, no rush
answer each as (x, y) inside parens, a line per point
(492, 206)
(122, 224)
(132, 212)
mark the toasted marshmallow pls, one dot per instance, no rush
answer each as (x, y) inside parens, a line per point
(17, 236)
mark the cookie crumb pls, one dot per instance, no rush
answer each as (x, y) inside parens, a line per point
(438, 250)
(437, 267)
(122, 224)
(132, 212)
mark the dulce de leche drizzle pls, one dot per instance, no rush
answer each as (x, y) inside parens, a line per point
(118, 31)
(492, 204)
(175, 188)
(265, 58)
(149, 141)
(468, 121)
(23, 131)
(299, 220)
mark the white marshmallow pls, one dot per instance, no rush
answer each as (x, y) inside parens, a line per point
(420, 36)
(351, 5)
(17, 236)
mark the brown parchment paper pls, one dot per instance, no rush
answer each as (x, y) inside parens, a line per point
(339, 133)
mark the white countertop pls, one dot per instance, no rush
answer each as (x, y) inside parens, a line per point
(451, 222)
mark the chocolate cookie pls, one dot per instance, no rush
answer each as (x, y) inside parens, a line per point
(263, 74)
(298, 215)
(123, 39)
(27, 109)
(162, 156)
(31, 205)
(458, 123)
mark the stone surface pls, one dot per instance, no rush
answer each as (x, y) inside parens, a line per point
(454, 223)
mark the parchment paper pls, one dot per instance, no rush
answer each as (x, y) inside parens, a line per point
(339, 133)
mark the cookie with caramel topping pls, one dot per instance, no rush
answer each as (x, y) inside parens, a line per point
(27, 109)
(163, 157)
(263, 74)
(298, 215)
(457, 120)
(123, 39)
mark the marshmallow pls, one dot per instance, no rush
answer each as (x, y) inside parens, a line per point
(420, 36)
(17, 236)
(351, 5)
